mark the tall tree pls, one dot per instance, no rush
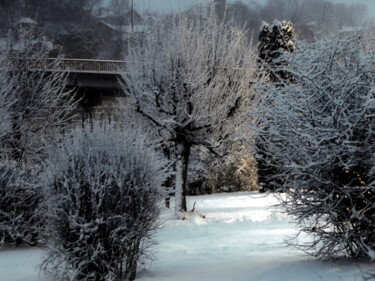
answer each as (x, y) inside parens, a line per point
(274, 41)
(189, 79)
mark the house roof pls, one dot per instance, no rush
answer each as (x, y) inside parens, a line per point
(122, 19)
(123, 28)
(26, 20)
(23, 44)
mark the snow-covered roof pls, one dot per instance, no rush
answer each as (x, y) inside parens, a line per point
(351, 28)
(124, 28)
(102, 12)
(312, 23)
(27, 21)
(22, 44)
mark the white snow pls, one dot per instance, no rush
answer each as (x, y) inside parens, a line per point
(27, 21)
(241, 239)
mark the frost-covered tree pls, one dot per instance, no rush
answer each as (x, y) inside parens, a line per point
(104, 195)
(189, 79)
(34, 107)
(274, 41)
(320, 131)
(38, 103)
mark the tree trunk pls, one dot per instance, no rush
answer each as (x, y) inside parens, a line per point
(183, 153)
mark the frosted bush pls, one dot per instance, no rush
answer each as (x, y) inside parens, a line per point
(104, 198)
(20, 200)
(318, 133)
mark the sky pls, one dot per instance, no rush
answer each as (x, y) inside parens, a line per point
(162, 6)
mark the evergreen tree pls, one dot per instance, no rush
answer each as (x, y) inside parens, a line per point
(275, 40)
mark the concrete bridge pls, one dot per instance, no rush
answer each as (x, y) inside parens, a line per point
(95, 82)
(83, 73)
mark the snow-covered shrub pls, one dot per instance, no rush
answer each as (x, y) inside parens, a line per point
(20, 200)
(319, 132)
(104, 198)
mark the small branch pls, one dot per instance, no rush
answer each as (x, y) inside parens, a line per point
(192, 210)
(186, 215)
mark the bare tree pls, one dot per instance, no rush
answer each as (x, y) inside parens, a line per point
(39, 102)
(319, 135)
(189, 79)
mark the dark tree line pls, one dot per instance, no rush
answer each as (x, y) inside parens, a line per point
(71, 25)
(72, 22)
(312, 19)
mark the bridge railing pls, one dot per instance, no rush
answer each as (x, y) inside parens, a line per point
(85, 65)
(71, 65)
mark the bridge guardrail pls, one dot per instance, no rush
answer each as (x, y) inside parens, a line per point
(71, 65)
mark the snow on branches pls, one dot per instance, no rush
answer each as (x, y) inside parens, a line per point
(320, 132)
(37, 104)
(104, 196)
(20, 210)
(189, 77)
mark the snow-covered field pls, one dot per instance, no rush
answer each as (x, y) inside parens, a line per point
(241, 239)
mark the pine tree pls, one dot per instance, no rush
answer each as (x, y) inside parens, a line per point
(275, 40)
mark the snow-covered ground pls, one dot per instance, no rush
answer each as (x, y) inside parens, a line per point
(241, 239)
